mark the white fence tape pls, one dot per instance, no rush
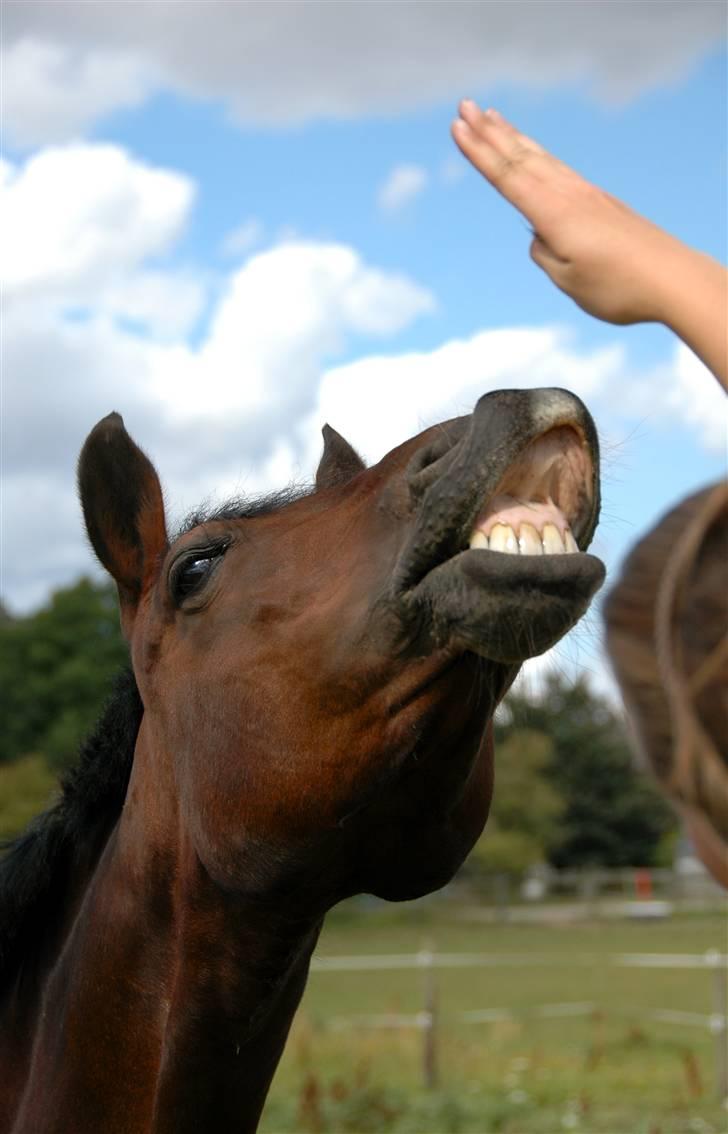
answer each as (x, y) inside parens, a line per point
(382, 961)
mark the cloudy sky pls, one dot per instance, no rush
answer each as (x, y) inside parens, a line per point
(235, 221)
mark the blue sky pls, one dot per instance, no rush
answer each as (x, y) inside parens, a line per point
(664, 152)
(130, 298)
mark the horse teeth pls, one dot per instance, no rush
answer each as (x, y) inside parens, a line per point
(552, 541)
(569, 541)
(529, 541)
(503, 538)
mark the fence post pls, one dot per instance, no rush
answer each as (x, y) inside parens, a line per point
(501, 884)
(429, 1018)
(719, 1021)
(588, 889)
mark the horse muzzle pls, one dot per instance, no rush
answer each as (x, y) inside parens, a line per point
(506, 504)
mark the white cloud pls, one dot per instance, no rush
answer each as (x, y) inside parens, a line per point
(381, 303)
(78, 222)
(679, 390)
(404, 183)
(166, 304)
(379, 401)
(241, 239)
(284, 313)
(68, 63)
(7, 172)
(452, 170)
(693, 397)
(52, 91)
(72, 210)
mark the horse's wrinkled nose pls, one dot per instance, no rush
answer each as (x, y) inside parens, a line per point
(494, 429)
(433, 459)
(475, 450)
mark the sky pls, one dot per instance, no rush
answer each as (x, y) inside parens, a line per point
(233, 222)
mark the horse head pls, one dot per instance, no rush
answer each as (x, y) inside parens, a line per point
(319, 674)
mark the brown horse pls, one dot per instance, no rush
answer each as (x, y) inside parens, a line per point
(308, 718)
(667, 632)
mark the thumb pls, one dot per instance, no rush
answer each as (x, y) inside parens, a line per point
(545, 257)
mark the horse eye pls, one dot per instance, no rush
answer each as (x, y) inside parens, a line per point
(189, 575)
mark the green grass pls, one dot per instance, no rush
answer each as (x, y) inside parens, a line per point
(612, 1072)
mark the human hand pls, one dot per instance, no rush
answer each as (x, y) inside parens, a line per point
(610, 260)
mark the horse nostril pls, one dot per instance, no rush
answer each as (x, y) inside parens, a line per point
(428, 464)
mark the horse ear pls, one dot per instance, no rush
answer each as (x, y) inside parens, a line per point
(339, 462)
(123, 508)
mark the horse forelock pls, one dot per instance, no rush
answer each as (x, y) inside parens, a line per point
(244, 508)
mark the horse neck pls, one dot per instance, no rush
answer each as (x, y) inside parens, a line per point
(240, 971)
(238, 978)
(169, 1006)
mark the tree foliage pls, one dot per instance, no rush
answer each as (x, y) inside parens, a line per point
(613, 816)
(26, 787)
(56, 667)
(526, 808)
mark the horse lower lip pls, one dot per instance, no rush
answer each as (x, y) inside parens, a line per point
(500, 570)
(507, 607)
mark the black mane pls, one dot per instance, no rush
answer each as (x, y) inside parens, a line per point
(63, 845)
(242, 508)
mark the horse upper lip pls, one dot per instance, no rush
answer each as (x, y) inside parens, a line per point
(549, 487)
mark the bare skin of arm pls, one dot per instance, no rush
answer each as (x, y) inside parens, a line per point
(614, 263)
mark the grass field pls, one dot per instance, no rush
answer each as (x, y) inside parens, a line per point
(612, 1071)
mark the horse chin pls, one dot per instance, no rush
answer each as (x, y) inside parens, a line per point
(409, 890)
(408, 880)
(507, 607)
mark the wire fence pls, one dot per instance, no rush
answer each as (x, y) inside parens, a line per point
(595, 892)
(427, 1021)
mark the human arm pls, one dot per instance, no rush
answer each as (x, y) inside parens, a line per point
(613, 262)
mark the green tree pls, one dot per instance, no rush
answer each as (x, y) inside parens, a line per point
(26, 787)
(526, 807)
(613, 815)
(56, 667)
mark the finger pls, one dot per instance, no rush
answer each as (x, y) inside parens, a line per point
(543, 255)
(509, 173)
(555, 267)
(498, 130)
